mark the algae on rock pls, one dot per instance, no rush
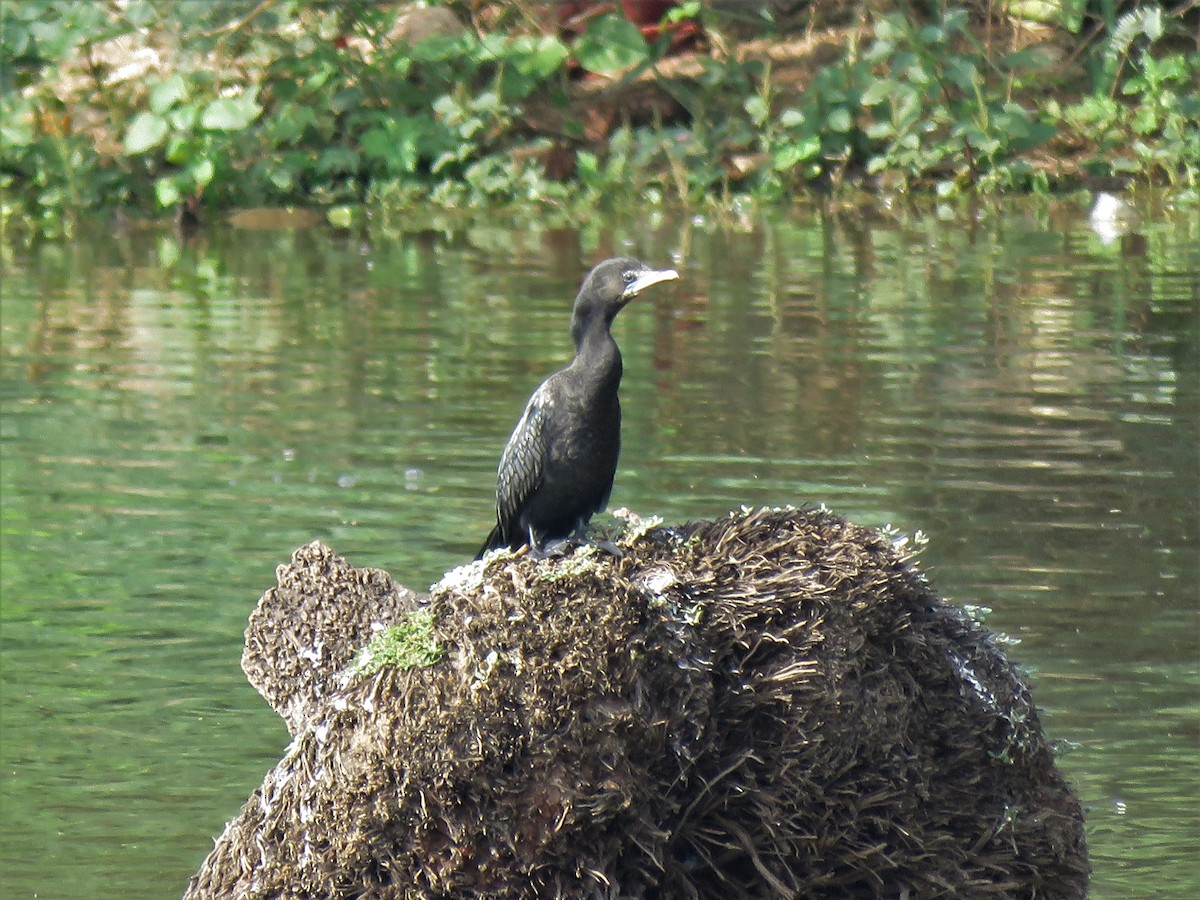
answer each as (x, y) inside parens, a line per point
(406, 645)
(774, 704)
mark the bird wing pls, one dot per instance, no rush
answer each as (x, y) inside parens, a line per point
(522, 464)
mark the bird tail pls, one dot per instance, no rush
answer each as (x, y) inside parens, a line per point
(494, 540)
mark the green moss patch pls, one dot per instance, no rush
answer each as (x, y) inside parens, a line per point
(410, 644)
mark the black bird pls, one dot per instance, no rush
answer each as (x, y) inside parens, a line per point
(558, 467)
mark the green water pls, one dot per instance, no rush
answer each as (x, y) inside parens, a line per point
(178, 416)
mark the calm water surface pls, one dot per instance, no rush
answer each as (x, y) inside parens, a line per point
(178, 416)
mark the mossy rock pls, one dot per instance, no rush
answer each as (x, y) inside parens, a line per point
(774, 704)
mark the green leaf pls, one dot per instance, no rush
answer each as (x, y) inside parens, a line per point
(756, 107)
(202, 172)
(879, 131)
(1145, 119)
(167, 192)
(377, 144)
(791, 118)
(337, 160)
(290, 121)
(880, 90)
(346, 99)
(169, 251)
(1029, 59)
(962, 71)
(438, 48)
(340, 217)
(955, 21)
(514, 85)
(982, 141)
(16, 127)
(889, 29)
(230, 113)
(689, 9)
(931, 34)
(167, 93)
(284, 90)
(1071, 15)
(546, 57)
(791, 154)
(903, 61)
(1174, 68)
(839, 120)
(146, 132)
(587, 165)
(182, 118)
(946, 188)
(283, 179)
(1038, 133)
(1123, 164)
(497, 47)
(179, 148)
(611, 44)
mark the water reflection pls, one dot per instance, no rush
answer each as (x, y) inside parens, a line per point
(179, 416)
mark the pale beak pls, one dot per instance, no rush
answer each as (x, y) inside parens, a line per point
(646, 278)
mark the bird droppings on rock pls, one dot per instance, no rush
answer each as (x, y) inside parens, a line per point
(774, 704)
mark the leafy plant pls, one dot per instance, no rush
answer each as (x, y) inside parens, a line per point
(1155, 125)
(232, 102)
(193, 134)
(940, 105)
(610, 44)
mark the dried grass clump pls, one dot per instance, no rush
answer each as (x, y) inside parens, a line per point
(774, 704)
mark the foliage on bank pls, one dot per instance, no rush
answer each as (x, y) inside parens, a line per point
(271, 102)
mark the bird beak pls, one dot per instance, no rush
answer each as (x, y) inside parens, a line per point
(646, 278)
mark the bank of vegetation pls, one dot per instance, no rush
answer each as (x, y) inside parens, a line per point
(190, 108)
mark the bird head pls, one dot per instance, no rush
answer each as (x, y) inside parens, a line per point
(615, 282)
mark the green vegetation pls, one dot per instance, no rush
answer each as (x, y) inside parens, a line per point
(410, 644)
(239, 103)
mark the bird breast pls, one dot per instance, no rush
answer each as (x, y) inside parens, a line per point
(583, 419)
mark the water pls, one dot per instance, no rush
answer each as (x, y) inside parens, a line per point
(178, 416)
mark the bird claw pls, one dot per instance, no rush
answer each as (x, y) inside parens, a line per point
(551, 549)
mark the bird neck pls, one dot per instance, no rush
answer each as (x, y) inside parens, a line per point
(596, 353)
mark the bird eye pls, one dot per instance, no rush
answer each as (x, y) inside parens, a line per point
(629, 277)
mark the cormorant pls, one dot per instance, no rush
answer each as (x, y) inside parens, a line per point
(558, 467)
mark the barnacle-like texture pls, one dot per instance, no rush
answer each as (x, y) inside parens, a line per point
(773, 704)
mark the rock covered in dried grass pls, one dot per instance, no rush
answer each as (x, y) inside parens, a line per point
(770, 705)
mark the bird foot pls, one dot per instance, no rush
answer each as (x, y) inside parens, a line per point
(563, 546)
(551, 549)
